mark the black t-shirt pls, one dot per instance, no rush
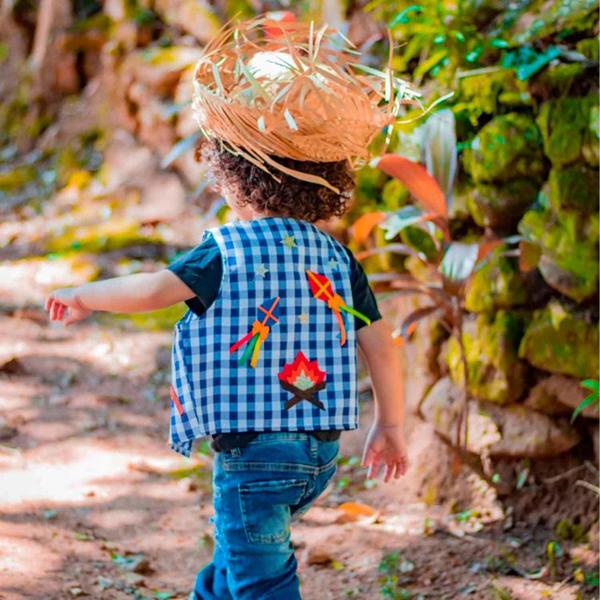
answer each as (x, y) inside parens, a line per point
(201, 270)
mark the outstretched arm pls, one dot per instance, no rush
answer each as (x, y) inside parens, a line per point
(133, 293)
(385, 442)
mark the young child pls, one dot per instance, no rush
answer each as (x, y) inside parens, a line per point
(264, 360)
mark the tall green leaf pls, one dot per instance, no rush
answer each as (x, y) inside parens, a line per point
(459, 261)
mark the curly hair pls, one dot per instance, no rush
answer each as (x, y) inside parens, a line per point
(289, 197)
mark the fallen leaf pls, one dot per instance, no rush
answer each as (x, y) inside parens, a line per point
(356, 509)
(13, 367)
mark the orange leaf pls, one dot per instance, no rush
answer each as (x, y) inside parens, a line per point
(363, 226)
(416, 179)
(486, 247)
(356, 509)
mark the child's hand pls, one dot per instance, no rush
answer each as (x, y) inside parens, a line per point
(64, 305)
(385, 445)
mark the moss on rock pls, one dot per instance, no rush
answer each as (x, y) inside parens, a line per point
(559, 18)
(491, 345)
(560, 80)
(508, 146)
(486, 92)
(497, 284)
(575, 186)
(560, 341)
(567, 126)
(501, 206)
(369, 183)
(394, 194)
(591, 139)
(569, 245)
(589, 48)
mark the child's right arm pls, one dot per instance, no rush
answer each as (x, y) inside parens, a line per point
(133, 293)
(385, 442)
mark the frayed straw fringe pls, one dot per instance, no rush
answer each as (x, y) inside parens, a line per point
(300, 93)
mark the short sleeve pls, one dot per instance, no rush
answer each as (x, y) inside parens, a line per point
(201, 269)
(363, 298)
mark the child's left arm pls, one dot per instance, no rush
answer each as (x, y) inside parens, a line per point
(132, 293)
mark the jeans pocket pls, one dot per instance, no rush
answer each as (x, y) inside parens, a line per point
(266, 508)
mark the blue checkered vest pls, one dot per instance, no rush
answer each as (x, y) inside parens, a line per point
(276, 351)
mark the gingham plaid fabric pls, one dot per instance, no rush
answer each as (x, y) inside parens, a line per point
(212, 393)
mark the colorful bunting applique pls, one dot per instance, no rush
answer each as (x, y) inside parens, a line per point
(322, 289)
(259, 332)
(304, 379)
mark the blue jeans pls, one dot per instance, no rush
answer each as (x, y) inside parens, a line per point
(257, 492)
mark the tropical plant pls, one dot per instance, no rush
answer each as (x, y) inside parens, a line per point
(445, 264)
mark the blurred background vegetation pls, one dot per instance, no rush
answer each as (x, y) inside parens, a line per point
(97, 178)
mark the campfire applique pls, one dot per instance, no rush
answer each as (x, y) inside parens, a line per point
(322, 289)
(304, 379)
(258, 334)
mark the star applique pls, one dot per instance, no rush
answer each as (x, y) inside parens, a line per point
(261, 270)
(303, 318)
(333, 263)
(289, 241)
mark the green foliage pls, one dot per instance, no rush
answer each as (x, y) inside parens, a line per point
(566, 530)
(527, 62)
(393, 569)
(593, 398)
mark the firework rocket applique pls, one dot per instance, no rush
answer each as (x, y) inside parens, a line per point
(322, 289)
(175, 400)
(304, 379)
(258, 334)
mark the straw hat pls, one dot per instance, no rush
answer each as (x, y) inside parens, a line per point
(267, 88)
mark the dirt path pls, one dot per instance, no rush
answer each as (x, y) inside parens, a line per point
(94, 504)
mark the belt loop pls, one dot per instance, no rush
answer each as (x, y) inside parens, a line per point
(314, 443)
